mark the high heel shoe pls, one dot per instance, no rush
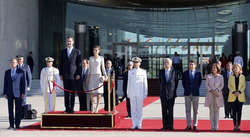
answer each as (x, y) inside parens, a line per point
(97, 109)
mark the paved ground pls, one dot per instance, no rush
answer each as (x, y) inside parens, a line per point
(37, 103)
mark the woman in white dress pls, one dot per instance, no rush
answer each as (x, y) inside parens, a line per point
(96, 77)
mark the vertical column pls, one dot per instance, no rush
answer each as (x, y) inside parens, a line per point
(239, 37)
(93, 38)
(81, 38)
(189, 49)
(213, 45)
(138, 42)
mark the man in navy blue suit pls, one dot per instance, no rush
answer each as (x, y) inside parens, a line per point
(14, 91)
(191, 81)
(225, 91)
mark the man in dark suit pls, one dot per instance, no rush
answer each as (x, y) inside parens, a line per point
(14, 91)
(225, 90)
(70, 60)
(191, 82)
(27, 73)
(81, 76)
(125, 85)
(109, 72)
(167, 94)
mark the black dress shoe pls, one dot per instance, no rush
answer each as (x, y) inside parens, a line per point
(195, 128)
(10, 128)
(128, 116)
(134, 128)
(171, 128)
(65, 112)
(163, 129)
(72, 111)
(188, 128)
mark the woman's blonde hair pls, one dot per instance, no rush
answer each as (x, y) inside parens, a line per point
(238, 66)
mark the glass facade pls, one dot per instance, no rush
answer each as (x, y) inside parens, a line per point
(195, 34)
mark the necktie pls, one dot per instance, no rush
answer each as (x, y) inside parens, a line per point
(12, 73)
(69, 51)
(167, 75)
(107, 71)
(83, 73)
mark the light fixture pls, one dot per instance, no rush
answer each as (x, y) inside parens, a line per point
(221, 20)
(225, 12)
(220, 27)
(219, 33)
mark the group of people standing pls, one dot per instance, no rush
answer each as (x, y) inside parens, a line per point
(87, 79)
(223, 89)
(82, 76)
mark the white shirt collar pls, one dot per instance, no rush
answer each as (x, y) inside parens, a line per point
(168, 69)
(13, 69)
(85, 68)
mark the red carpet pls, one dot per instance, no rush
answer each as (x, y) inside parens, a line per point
(156, 124)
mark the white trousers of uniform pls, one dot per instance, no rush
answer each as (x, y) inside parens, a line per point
(192, 101)
(136, 104)
(214, 114)
(49, 102)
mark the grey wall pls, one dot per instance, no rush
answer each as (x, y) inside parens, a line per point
(18, 32)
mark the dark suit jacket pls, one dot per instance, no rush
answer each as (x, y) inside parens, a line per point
(14, 87)
(125, 84)
(81, 83)
(167, 88)
(191, 86)
(68, 65)
(225, 90)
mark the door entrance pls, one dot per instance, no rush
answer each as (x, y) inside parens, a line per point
(154, 53)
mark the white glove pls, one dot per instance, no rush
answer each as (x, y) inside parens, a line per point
(28, 88)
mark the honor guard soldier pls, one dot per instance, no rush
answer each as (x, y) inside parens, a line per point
(47, 76)
(137, 91)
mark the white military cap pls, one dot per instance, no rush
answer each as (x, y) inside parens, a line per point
(136, 59)
(130, 63)
(49, 59)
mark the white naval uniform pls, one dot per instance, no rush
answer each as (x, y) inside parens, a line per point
(137, 91)
(49, 74)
